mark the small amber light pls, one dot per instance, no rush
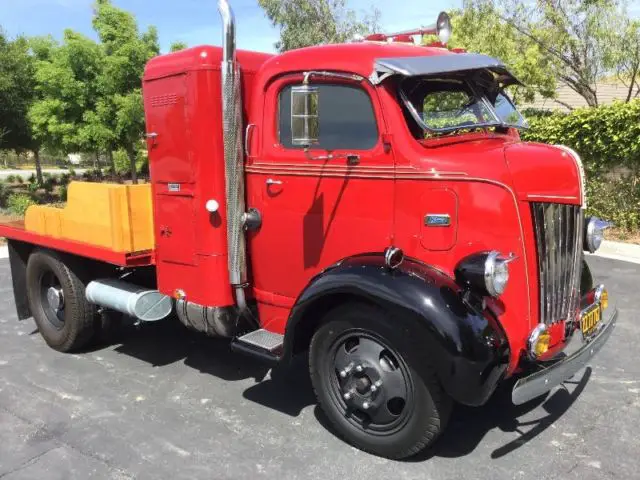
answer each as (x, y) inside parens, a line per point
(542, 345)
(604, 299)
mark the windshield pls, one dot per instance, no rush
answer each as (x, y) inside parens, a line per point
(449, 105)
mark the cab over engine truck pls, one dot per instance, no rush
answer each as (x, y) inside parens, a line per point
(370, 203)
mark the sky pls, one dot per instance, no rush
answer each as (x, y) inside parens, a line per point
(197, 21)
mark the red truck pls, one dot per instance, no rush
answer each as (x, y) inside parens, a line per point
(370, 203)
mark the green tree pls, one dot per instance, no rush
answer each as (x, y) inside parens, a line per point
(479, 28)
(311, 22)
(17, 82)
(177, 46)
(66, 88)
(577, 38)
(126, 52)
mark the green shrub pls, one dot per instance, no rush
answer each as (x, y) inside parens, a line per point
(48, 185)
(605, 137)
(4, 191)
(63, 192)
(121, 161)
(19, 179)
(11, 178)
(33, 187)
(32, 178)
(72, 172)
(19, 202)
(617, 200)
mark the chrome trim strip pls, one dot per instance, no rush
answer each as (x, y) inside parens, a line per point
(538, 383)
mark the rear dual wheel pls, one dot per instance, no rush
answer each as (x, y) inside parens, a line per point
(374, 383)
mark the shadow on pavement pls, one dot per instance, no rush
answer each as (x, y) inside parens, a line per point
(288, 389)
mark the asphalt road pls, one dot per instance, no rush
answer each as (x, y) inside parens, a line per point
(163, 403)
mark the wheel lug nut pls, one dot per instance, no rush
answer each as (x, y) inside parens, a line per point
(359, 368)
(378, 384)
(347, 396)
(347, 369)
(365, 405)
(373, 388)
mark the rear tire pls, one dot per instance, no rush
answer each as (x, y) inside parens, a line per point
(375, 384)
(57, 301)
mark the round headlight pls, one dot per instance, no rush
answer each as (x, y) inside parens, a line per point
(496, 274)
(486, 273)
(594, 233)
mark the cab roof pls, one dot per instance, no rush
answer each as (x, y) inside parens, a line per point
(358, 58)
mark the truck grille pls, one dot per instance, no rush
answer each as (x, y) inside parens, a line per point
(558, 230)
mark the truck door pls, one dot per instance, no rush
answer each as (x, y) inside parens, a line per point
(316, 211)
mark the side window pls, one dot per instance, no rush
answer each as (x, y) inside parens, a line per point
(346, 118)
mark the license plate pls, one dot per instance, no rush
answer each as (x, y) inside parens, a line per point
(590, 320)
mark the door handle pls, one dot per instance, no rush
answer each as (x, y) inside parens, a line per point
(271, 181)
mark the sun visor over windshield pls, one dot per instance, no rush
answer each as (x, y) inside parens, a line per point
(439, 64)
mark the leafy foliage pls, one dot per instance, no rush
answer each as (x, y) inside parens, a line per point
(19, 202)
(480, 28)
(312, 22)
(177, 46)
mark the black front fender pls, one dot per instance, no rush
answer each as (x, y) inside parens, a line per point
(467, 347)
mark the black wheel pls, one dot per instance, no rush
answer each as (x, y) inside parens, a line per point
(58, 304)
(374, 383)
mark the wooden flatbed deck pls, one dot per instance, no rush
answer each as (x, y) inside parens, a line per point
(16, 231)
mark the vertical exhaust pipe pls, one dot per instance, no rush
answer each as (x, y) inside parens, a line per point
(233, 156)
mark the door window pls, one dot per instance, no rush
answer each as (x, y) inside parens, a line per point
(346, 118)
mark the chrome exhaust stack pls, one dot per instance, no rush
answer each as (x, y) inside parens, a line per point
(233, 156)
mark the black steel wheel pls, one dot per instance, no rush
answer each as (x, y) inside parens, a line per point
(57, 301)
(373, 383)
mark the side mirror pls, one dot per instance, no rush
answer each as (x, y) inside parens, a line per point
(305, 123)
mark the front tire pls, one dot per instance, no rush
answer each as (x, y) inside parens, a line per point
(375, 384)
(57, 301)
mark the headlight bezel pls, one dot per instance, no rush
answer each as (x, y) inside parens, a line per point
(478, 272)
(594, 233)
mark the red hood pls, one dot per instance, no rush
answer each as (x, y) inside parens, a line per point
(536, 172)
(544, 173)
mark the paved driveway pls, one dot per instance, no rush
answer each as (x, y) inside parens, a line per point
(167, 404)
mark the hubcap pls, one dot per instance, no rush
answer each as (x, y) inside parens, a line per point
(371, 383)
(52, 299)
(55, 298)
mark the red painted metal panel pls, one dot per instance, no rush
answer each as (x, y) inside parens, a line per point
(438, 201)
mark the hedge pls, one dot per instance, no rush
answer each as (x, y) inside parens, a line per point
(608, 141)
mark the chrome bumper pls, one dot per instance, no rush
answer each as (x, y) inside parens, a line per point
(534, 385)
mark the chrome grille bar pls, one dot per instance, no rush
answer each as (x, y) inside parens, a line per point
(558, 232)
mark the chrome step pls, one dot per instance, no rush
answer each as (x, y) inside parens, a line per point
(263, 339)
(262, 344)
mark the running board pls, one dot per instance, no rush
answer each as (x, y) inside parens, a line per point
(261, 344)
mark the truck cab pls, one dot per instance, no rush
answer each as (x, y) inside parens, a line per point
(370, 203)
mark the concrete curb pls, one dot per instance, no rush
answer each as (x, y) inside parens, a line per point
(626, 252)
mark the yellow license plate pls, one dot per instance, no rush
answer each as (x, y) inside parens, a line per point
(590, 320)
